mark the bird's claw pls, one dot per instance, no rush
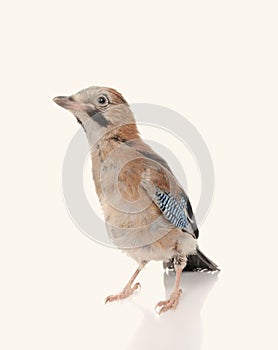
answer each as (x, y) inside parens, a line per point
(126, 292)
(170, 303)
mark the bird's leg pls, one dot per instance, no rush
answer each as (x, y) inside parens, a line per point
(128, 289)
(173, 301)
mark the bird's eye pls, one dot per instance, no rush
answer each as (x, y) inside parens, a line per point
(102, 100)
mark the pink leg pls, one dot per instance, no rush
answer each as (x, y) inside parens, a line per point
(173, 301)
(128, 289)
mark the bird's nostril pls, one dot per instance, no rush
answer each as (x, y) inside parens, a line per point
(60, 97)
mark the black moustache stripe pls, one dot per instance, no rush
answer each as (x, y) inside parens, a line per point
(96, 115)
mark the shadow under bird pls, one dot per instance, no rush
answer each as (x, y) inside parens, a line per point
(147, 213)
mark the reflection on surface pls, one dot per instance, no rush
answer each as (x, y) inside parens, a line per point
(181, 329)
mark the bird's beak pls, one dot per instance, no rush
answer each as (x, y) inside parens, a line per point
(68, 102)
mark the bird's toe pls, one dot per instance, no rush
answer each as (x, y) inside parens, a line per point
(126, 292)
(171, 303)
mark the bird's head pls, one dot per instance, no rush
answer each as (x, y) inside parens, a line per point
(99, 110)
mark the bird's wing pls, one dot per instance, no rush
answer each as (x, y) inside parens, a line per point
(161, 185)
(172, 209)
(172, 202)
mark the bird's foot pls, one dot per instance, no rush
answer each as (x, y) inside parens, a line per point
(126, 292)
(170, 303)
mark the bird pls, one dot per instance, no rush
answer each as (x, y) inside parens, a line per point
(147, 213)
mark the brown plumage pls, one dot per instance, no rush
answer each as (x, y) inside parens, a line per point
(147, 213)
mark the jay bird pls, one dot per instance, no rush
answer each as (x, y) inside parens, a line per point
(147, 213)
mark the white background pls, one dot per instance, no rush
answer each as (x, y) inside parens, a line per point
(213, 61)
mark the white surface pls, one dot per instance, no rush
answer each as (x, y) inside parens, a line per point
(213, 61)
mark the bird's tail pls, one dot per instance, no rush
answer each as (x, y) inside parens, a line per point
(196, 262)
(200, 262)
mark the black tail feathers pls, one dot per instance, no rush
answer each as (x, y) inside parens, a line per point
(200, 262)
(197, 262)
